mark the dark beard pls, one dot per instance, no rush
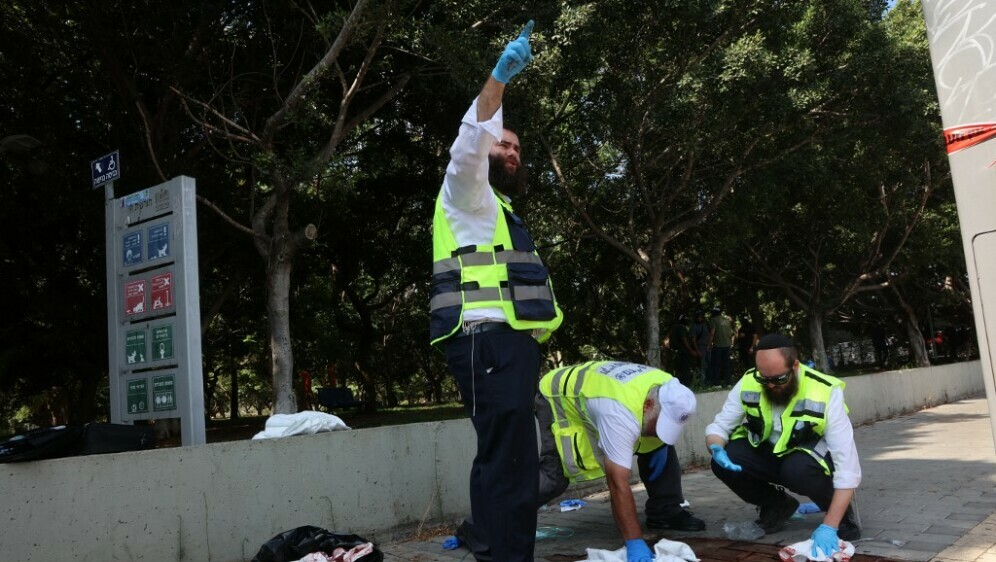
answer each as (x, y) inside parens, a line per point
(509, 184)
(787, 393)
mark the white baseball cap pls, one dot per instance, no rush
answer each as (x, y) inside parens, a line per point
(677, 406)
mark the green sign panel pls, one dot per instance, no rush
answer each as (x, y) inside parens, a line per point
(138, 396)
(135, 348)
(163, 393)
(162, 342)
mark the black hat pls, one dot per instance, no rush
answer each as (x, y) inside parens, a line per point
(774, 341)
(715, 310)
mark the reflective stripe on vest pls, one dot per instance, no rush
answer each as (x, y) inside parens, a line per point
(508, 275)
(567, 389)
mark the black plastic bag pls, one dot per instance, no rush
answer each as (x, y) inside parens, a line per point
(298, 543)
(45, 443)
(74, 440)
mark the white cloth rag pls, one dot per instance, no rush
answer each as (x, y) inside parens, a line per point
(664, 551)
(301, 423)
(802, 552)
(341, 554)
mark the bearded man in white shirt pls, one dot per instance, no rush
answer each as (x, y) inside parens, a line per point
(785, 425)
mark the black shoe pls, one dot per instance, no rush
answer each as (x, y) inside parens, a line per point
(849, 530)
(772, 517)
(467, 536)
(683, 521)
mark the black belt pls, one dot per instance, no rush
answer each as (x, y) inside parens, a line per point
(481, 328)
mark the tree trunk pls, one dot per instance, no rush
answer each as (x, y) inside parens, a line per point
(816, 340)
(234, 405)
(918, 351)
(281, 352)
(653, 319)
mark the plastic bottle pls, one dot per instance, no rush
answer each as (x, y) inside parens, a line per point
(743, 531)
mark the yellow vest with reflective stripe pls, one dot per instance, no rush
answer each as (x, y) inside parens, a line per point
(567, 390)
(803, 421)
(507, 274)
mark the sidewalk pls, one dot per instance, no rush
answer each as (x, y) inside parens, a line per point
(928, 493)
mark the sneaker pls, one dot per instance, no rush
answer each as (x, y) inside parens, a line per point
(772, 517)
(683, 521)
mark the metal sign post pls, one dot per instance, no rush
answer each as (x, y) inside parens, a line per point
(153, 299)
(962, 52)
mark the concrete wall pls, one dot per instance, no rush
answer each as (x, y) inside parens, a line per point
(220, 502)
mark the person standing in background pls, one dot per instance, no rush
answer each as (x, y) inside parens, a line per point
(720, 342)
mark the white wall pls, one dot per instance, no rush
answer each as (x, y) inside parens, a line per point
(221, 502)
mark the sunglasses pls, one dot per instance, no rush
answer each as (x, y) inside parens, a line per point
(777, 380)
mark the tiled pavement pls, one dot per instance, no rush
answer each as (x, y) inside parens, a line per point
(928, 493)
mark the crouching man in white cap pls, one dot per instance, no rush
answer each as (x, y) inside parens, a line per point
(593, 418)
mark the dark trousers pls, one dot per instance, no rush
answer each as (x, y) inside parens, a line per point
(682, 367)
(664, 493)
(497, 373)
(796, 471)
(719, 366)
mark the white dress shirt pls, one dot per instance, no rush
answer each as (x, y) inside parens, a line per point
(838, 438)
(468, 199)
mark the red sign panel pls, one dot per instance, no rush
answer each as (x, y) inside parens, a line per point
(162, 291)
(134, 297)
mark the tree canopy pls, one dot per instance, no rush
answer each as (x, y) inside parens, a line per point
(778, 159)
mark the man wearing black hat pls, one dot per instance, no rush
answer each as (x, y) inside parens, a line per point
(755, 457)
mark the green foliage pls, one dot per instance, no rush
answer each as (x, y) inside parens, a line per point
(742, 153)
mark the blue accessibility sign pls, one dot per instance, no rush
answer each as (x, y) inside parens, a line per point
(105, 169)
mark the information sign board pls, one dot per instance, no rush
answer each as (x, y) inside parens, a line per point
(163, 393)
(131, 249)
(159, 241)
(154, 340)
(105, 169)
(134, 297)
(162, 342)
(135, 347)
(138, 396)
(162, 291)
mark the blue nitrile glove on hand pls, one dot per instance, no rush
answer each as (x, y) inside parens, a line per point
(825, 539)
(638, 551)
(658, 459)
(516, 56)
(722, 459)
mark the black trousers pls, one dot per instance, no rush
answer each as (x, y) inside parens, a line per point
(497, 373)
(762, 470)
(664, 493)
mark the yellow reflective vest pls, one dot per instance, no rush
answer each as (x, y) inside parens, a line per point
(506, 274)
(567, 390)
(803, 421)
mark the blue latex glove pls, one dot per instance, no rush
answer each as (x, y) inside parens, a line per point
(658, 459)
(825, 539)
(451, 543)
(638, 551)
(516, 56)
(809, 507)
(722, 459)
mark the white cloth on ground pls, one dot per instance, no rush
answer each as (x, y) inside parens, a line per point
(801, 552)
(301, 423)
(341, 554)
(664, 551)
